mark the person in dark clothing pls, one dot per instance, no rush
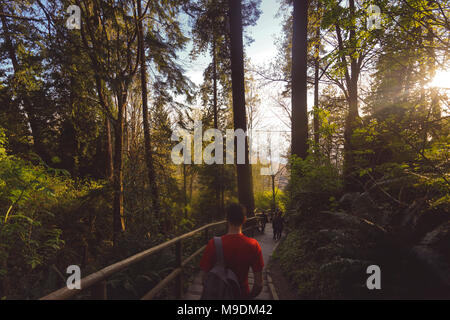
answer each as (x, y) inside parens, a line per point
(264, 221)
(275, 226)
(280, 225)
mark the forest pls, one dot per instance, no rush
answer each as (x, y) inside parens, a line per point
(346, 127)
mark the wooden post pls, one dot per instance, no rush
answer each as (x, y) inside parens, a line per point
(178, 261)
(99, 292)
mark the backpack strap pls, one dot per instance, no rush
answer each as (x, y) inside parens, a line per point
(219, 251)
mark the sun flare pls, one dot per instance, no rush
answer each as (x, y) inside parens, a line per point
(441, 79)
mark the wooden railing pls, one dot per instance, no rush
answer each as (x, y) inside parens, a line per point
(96, 282)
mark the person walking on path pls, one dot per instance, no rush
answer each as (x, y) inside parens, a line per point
(240, 253)
(280, 225)
(264, 221)
(275, 226)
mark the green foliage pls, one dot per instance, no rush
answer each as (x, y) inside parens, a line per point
(26, 242)
(326, 258)
(310, 177)
(264, 199)
(43, 224)
(312, 184)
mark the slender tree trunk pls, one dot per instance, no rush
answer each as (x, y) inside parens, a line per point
(118, 217)
(109, 170)
(350, 125)
(353, 86)
(352, 116)
(299, 86)
(244, 173)
(274, 203)
(147, 137)
(316, 104)
(216, 126)
(185, 191)
(316, 88)
(109, 151)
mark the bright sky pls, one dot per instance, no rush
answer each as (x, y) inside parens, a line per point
(261, 51)
(262, 48)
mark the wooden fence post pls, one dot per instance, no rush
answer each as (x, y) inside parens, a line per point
(99, 291)
(178, 262)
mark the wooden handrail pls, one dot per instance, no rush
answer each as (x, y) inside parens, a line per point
(99, 277)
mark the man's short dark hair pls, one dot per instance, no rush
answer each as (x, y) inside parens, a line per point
(236, 214)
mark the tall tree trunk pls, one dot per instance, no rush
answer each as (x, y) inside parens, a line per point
(185, 191)
(299, 126)
(316, 103)
(274, 203)
(352, 116)
(109, 151)
(215, 111)
(147, 138)
(118, 217)
(316, 88)
(109, 170)
(351, 123)
(244, 172)
(354, 68)
(216, 126)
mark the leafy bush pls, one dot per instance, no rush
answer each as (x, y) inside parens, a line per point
(264, 199)
(326, 258)
(314, 185)
(41, 210)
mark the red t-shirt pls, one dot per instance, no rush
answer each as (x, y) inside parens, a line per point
(240, 253)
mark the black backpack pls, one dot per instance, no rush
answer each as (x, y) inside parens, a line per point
(221, 283)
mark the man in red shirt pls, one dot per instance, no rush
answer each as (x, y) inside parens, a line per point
(240, 253)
